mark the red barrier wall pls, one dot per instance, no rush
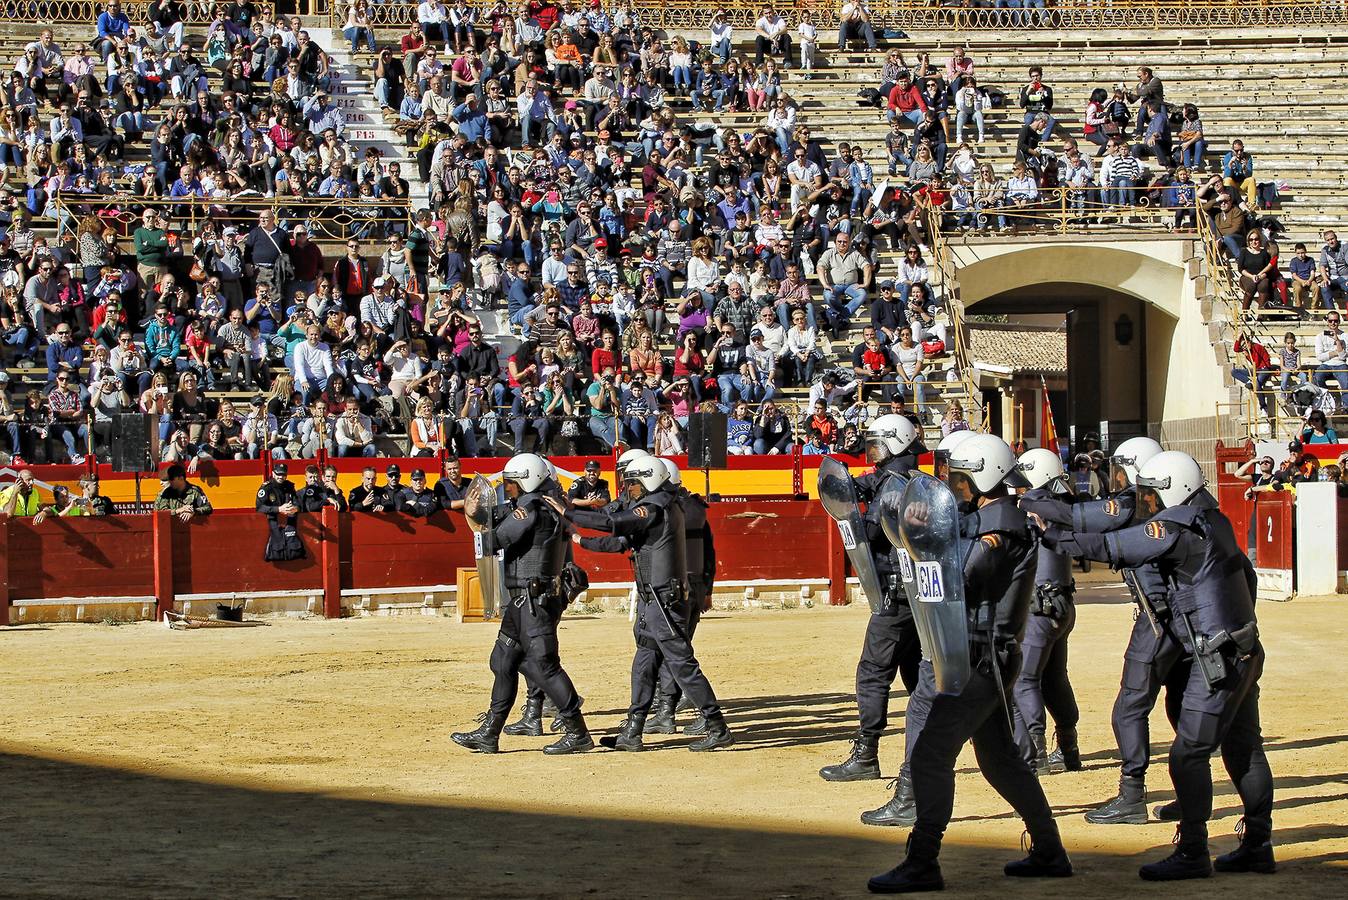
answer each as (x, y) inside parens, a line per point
(1273, 530)
(157, 555)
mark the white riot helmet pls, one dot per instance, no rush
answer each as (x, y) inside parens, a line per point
(942, 454)
(889, 435)
(1128, 459)
(1172, 476)
(628, 457)
(528, 470)
(648, 470)
(1042, 468)
(672, 472)
(986, 461)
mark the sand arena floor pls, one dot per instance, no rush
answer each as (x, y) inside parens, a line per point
(312, 759)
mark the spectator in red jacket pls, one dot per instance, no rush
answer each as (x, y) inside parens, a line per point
(905, 100)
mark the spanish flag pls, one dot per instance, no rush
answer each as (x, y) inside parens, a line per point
(1048, 437)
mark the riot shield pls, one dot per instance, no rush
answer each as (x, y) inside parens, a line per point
(888, 503)
(926, 523)
(838, 496)
(478, 503)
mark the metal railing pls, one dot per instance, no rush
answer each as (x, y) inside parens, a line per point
(943, 262)
(945, 15)
(326, 218)
(1067, 210)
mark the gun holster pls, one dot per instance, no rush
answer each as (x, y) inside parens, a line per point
(1216, 654)
(1050, 600)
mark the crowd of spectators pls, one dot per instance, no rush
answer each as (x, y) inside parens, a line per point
(648, 267)
(649, 264)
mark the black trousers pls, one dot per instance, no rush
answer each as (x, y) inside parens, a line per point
(891, 648)
(976, 714)
(1043, 682)
(661, 640)
(1149, 664)
(697, 593)
(528, 643)
(1225, 719)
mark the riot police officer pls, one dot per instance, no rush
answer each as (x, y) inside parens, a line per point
(533, 538)
(368, 496)
(652, 528)
(1152, 659)
(1212, 617)
(891, 645)
(998, 581)
(278, 501)
(1043, 681)
(700, 548)
(536, 705)
(332, 491)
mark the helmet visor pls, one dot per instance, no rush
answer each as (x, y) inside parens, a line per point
(1118, 475)
(877, 451)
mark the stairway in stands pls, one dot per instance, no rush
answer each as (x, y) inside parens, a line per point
(354, 94)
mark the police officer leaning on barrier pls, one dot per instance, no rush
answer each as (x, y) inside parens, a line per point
(891, 645)
(278, 500)
(315, 494)
(1043, 682)
(998, 583)
(1212, 617)
(651, 526)
(533, 537)
(1152, 660)
(416, 499)
(700, 555)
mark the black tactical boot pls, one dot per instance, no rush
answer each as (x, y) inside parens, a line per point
(900, 810)
(531, 723)
(576, 740)
(1128, 808)
(1045, 860)
(1040, 745)
(860, 765)
(628, 736)
(918, 872)
(663, 720)
(685, 705)
(1167, 812)
(1067, 758)
(1190, 859)
(696, 727)
(484, 738)
(718, 735)
(1255, 854)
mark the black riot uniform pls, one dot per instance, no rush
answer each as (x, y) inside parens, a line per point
(531, 720)
(999, 573)
(313, 497)
(700, 551)
(533, 538)
(652, 527)
(1150, 661)
(891, 648)
(1212, 616)
(283, 540)
(1043, 682)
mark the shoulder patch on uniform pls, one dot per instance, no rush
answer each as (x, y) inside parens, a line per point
(641, 512)
(1111, 507)
(262, 493)
(1155, 530)
(991, 541)
(520, 514)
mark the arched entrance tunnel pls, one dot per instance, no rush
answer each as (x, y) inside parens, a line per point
(1140, 356)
